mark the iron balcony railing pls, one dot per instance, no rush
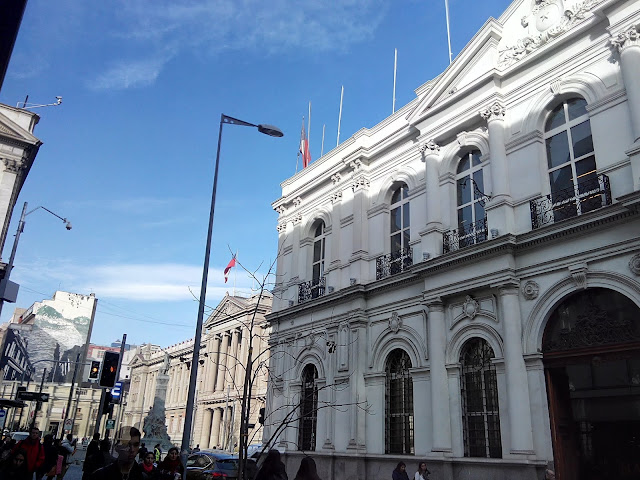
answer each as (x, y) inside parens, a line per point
(392, 263)
(465, 236)
(585, 196)
(312, 289)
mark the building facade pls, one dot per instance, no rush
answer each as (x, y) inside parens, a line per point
(221, 374)
(460, 282)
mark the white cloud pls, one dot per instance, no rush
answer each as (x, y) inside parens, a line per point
(161, 29)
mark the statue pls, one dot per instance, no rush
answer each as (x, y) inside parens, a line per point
(154, 426)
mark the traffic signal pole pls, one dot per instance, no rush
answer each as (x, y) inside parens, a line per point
(66, 410)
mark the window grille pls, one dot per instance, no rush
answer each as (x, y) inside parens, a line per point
(308, 409)
(399, 404)
(480, 412)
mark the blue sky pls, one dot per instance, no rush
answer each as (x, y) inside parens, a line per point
(128, 156)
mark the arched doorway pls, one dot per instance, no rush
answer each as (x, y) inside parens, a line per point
(591, 354)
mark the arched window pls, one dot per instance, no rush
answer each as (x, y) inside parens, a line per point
(399, 404)
(575, 186)
(480, 412)
(400, 233)
(308, 409)
(318, 253)
(472, 222)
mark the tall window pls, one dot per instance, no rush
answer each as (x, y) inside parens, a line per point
(308, 409)
(400, 234)
(399, 404)
(318, 252)
(480, 414)
(472, 225)
(571, 161)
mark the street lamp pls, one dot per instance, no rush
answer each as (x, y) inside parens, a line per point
(193, 375)
(4, 283)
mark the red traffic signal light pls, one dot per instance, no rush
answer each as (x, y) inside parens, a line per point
(109, 369)
(95, 369)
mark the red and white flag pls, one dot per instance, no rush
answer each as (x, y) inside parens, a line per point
(304, 148)
(232, 264)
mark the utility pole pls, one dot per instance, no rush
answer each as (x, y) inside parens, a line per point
(73, 382)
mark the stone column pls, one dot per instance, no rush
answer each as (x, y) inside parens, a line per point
(360, 239)
(234, 354)
(627, 43)
(440, 411)
(206, 383)
(214, 439)
(500, 208)
(517, 385)
(242, 356)
(375, 385)
(333, 270)
(432, 234)
(222, 362)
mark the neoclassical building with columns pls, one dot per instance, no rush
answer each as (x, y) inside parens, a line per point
(461, 282)
(223, 356)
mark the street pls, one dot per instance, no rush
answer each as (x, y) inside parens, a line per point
(74, 472)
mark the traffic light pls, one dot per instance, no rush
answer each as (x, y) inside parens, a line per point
(107, 405)
(109, 369)
(261, 416)
(95, 369)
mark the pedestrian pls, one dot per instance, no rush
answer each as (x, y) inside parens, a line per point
(125, 467)
(272, 468)
(94, 445)
(100, 459)
(149, 469)
(400, 473)
(15, 467)
(157, 451)
(171, 467)
(307, 470)
(143, 452)
(33, 449)
(48, 467)
(423, 472)
(67, 450)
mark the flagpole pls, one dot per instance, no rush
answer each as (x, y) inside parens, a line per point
(340, 115)
(395, 67)
(309, 125)
(300, 148)
(322, 146)
(235, 274)
(446, 7)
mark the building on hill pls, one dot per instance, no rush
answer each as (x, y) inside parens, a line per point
(223, 355)
(460, 282)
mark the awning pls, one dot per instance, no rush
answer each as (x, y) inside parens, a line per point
(8, 403)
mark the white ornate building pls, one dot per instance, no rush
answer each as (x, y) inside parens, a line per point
(221, 373)
(460, 283)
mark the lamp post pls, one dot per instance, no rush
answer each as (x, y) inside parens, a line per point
(7, 273)
(193, 375)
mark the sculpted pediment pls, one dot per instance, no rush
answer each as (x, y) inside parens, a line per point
(226, 309)
(11, 130)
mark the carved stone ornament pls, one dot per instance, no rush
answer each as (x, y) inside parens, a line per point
(356, 165)
(336, 197)
(281, 209)
(13, 166)
(297, 202)
(548, 20)
(309, 340)
(395, 322)
(530, 290)
(336, 177)
(429, 147)
(556, 86)
(470, 308)
(360, 183)
(625, 39)
(495, 112)
(579, 274)
(634, 264)
(281, 227)
(297, 219)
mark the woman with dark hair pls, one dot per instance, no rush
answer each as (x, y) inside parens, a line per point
(423, 472)
(149, 469)
(400, 473)
(307, 470)
(171, 465)
(15, 466)
(272, 468)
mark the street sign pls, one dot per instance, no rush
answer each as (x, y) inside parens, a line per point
(3, 417)
(116, 391)
(111, 423)
(68, 424)
(41, 397)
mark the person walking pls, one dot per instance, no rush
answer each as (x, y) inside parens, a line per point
(400, 472)
(67, 450)
(48, 467)
(157, 452)
(307, 470)
(143, 452)
(171, 467)
(94, 445)
(149, 469)
(423, 472)
(125, 467)
(272, 468)
(33, 449)
(14, 467)
(100, 459)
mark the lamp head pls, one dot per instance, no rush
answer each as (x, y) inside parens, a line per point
(270, 130)
(67, 224)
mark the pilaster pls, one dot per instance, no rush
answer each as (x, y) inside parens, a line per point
(432, 233)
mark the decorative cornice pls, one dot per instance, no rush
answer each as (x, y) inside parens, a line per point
(336, 177)
(281, 227)
(13, 166)
(430, 148)
(297, 219)
(297, 202)
(495, 111)
(336, 197)
(360, 183)
(280, 209)
(628, 38)
(356, 165)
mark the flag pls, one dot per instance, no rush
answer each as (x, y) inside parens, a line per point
(232, 264)
(304, 148)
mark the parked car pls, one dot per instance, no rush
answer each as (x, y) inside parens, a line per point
(17, 436)
(210, 465)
